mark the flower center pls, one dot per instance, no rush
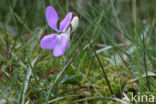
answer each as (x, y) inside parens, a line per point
(59, 37)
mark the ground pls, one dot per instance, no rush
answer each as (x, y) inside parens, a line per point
(111, 54)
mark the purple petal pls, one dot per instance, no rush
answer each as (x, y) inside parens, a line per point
(49, 41)
(65, 22)
(52, 17)
(61, 47)
(66, 34)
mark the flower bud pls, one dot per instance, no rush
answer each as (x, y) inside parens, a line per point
(74, 23)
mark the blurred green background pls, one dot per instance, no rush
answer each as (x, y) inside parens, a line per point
(122, 33)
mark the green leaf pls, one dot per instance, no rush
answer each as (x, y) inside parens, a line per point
(73, 79)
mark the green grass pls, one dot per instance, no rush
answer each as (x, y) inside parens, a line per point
(112, 51)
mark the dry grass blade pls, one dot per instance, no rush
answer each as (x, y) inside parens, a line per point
(49, 72)
(98, 97)
(59, 98)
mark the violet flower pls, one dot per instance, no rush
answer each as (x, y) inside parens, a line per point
(58, 42)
